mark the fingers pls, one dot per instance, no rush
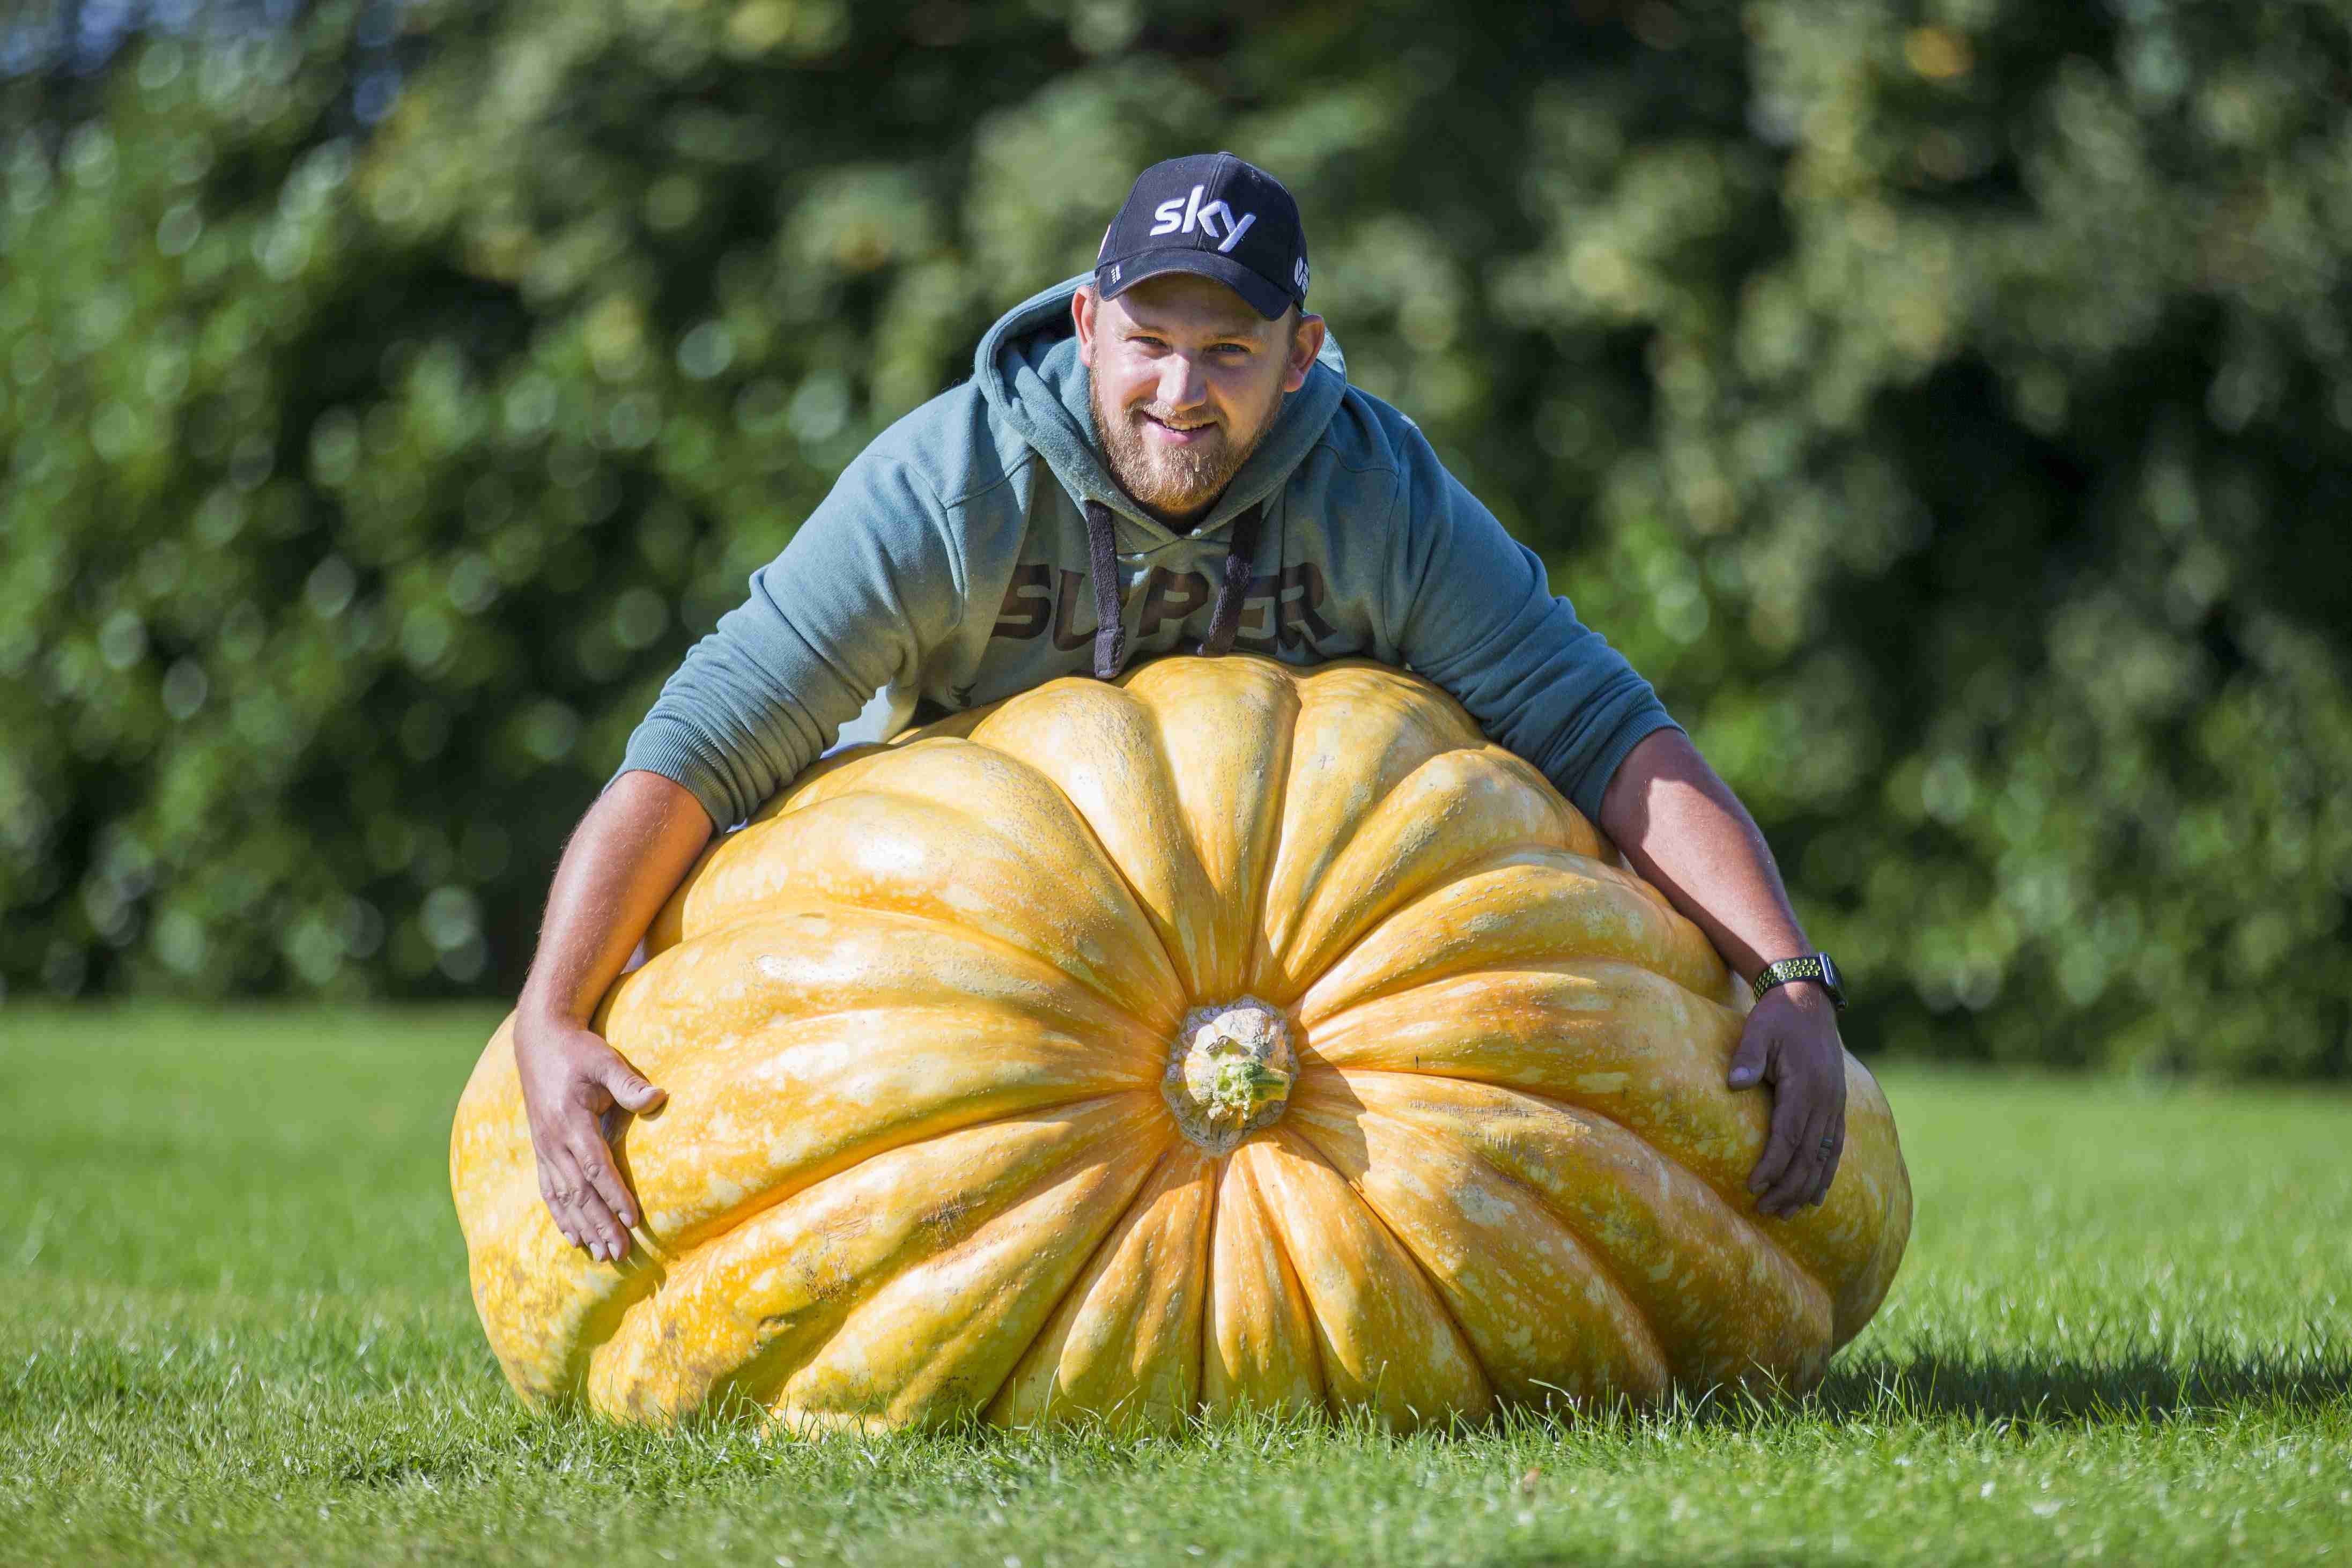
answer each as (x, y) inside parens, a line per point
(1749, 1062)
(1782, 1146)
(1808, 1139)
(1806, 1067)
(623, 1086)
(1811, 1171)
(1828, 1168)
(1794, 1183)
(622, 1082)
(594, 1158)
(570, 1079)
(580, 1212)
(597, 1198)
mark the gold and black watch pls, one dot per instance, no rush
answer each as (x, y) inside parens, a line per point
(1813, 967)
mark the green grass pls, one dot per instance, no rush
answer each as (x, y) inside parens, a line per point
(234, 1328)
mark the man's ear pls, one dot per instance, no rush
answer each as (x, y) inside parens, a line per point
(1082, 316)
(1304, 346)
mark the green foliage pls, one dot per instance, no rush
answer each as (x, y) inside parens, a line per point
(1949, 407)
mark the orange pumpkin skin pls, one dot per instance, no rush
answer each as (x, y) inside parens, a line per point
(1232, 1034)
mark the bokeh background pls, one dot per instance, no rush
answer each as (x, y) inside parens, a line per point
(1947, 406)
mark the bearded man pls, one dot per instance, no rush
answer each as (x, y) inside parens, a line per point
(1163, 454)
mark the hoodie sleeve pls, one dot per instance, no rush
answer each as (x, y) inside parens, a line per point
(1477, 616)
(868, 586)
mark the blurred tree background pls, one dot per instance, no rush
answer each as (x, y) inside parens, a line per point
(1947, 405)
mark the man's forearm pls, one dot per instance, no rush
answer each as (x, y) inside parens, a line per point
(623, 861)
(1688, 836)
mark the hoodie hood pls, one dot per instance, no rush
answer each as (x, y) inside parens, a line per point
(1027, 368)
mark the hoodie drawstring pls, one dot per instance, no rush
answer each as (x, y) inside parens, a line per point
(1110, 632)
(1224, 621)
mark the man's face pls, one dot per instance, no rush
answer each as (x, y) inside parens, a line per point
(1187, 380)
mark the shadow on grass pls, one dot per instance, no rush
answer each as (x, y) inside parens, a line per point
(2134, 1386)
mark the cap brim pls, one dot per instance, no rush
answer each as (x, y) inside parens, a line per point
(1265, 297)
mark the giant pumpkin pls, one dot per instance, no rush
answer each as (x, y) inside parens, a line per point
(1229, 1034)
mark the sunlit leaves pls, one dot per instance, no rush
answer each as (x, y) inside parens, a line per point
(1947, 408)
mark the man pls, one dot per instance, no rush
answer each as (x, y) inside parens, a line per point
(1164, 455)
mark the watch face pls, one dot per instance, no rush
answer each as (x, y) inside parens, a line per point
(1832, 978)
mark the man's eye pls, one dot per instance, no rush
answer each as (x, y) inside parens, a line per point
(1232, 351)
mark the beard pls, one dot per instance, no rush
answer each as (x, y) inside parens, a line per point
(1170, 482)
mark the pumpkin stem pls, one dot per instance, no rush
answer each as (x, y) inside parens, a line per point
(1229, 1072)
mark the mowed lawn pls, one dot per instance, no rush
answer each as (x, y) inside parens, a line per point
(233, 1327)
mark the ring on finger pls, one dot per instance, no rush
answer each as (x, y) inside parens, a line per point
(1828, 1146)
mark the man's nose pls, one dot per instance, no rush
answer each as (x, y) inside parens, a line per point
(1182, 384)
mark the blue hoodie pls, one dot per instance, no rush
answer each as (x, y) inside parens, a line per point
(951, 566)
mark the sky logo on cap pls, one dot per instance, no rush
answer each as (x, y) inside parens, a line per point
(1212, 215)
(1180, 214)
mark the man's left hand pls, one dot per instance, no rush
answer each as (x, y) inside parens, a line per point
(1791, 1043)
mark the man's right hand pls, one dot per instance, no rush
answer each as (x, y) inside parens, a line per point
(569, 1078)
(625, 858)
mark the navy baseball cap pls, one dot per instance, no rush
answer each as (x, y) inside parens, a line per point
(1212, 214)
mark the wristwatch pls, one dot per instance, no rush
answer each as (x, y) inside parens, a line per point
(1814, 966)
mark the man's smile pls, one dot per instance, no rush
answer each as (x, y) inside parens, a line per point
(1177, 432)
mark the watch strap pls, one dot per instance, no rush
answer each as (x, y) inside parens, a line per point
(1805, 966)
